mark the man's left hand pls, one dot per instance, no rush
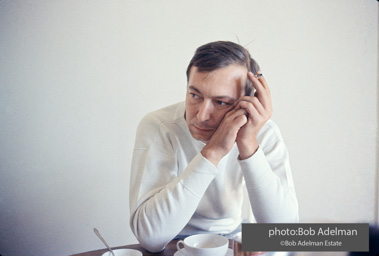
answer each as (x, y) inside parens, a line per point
(259, 109)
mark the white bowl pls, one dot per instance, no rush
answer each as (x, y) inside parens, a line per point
(123, 252)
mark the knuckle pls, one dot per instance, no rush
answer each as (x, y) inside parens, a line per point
(255, 100)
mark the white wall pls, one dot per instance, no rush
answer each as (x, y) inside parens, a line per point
(77, 76)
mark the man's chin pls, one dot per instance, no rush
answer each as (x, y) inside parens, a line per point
(201, 138)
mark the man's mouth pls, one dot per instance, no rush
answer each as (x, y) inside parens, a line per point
(203, 129)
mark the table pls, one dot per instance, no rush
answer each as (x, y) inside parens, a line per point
(168, 251)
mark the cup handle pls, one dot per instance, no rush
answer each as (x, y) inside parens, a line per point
(178, 245)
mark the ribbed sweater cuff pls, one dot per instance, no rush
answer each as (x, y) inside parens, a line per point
(198, 175)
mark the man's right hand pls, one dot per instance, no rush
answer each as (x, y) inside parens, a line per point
(223, 139)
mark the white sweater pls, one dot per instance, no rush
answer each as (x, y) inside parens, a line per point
(175, 190)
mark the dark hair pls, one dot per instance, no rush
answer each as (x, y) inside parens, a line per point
(219, 54)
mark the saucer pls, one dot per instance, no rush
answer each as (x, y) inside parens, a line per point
(228, 253)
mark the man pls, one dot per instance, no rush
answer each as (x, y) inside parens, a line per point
(192, 159)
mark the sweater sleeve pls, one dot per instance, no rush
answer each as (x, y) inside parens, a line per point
(162, 201)
(269, 180)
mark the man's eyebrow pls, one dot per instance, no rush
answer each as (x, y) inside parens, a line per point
(194, 88)
(221, 97)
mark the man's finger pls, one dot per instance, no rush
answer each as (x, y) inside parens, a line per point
(253, 107)
(259, 84)
(262, 90)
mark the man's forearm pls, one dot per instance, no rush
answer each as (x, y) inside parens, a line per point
(164, 211)
(271, 191)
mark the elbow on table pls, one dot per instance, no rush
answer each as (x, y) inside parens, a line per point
(147, 238)
(150, 245)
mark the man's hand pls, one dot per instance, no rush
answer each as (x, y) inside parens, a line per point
(241, 124)
(225, 136)
(259, 109)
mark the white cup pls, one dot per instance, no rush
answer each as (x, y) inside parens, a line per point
(123, 252)
(204, 245)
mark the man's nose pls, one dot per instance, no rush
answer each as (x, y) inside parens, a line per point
(205, 111)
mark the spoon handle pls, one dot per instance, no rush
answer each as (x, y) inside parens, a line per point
(103, 240)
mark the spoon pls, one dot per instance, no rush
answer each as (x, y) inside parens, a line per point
(103, 240)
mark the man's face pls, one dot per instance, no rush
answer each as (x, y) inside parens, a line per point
(210, 95)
